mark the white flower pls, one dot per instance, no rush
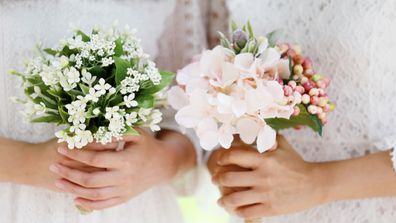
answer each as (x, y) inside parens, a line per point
(76, 111)
(87, 77)
(96, 111)
(112, 112)
(116, 126)
(72, 74)
(93, 95)
(112, 91)
(74, 128)
(82, 138)
(65, 83)
(144, 113)
(131, 118)
(107, 61)
(102, 86)
(129, 102)
(102, 135)
(156, 118)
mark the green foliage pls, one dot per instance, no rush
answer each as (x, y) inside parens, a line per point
(145, 101)
(121, 69)
(166, 80)
(304, 118)
(48, 119)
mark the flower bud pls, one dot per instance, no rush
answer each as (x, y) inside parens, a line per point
(305, 99)
(308, 85)
(239, 38)
(252, 45)
(308, 72)
(297, 97)
(332, 107)
(321, 84)
(322, 116)
(296, 77)
(326, 108)
(304, 80)
(298, 69)
(314, 100)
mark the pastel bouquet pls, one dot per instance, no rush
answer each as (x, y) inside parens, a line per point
(252, 87)
(97, 86)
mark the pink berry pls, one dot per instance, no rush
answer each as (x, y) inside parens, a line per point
(326, 108)
(322, 115)
(308, 72)
(305, 99)
(307, 64)
(292, 84)
(314, 92)
(299, 59)
(314, 100)
(300, 89)
(308, 85)
(322, 101)
(321, 84)
(296, 111)
(304, 80)
(312, 109)
(298, 69)
(287, 90)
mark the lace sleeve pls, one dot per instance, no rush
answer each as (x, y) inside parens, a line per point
(386, 144)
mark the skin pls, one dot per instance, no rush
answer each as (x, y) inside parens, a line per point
(145, 162)
(280, 182)
(97, 175)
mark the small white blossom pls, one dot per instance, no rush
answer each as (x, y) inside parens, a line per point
(93, 95)
(107, 61)
(87, 77)
(129, 101)
(131, 118)
(102, 86)
(77, 127)
(112, 112)
(82, 138)
(144, 113)
(72, 74)
(96, 111)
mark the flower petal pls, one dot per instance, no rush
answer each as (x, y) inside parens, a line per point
(189, 116)
(177, 98)
(244, 60)
(226, 136)
(266, 139)
(248, 129)
(239, 107)
(283, 69)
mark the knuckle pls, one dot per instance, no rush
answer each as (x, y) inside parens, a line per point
(225, 178)
(230, 200)
(242, 213)
(87, 181)
(95, 159)
(96, 194)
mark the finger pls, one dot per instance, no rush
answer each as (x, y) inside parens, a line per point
(80, 166)
(104, 159)
(235, 179)
(98, 205)
(89, 180)
(94, 194)
(242, 198)
(255, 211)
(273, 148)
(243, 158)
(100, 146)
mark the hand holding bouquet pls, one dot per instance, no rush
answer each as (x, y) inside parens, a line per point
(249, 87)
(98, 86)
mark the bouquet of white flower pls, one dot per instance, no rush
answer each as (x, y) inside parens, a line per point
(98, 86)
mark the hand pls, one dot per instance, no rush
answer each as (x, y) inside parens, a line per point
(145, 162)
(278, 182)
(38, 158)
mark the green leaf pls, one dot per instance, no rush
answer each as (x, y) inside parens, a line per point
(121, 69)
(84, 88)
(291, 68)
(118, 50)
(50, 51)
(145, 101)
(234, 26)
(63, 114)
(131, 131)
(166, 79)
(66, 51)
(250, 30)
(47, 119)
(84, 36)
(304, 118)
(274, 36)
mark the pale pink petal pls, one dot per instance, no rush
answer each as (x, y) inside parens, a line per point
(276, 90)
(239, 107)
(244, 60)
(229, 74)
(263, 46)
(177, 98)
(248, 129)
(283, 69)
(209, 140)
(208, 133)
(206, 124)
(226, 135)
(189, 116)
(266, 139)
(270, 57)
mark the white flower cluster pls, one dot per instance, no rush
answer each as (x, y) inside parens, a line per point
(79, 84)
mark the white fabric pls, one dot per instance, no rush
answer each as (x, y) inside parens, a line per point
(353, 42)
(22, 24)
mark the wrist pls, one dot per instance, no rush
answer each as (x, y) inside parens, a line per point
(322, 182)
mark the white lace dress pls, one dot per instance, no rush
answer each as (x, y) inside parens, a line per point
(354, 43)
(22, 24)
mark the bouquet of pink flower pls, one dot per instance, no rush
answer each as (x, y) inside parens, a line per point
(252, 87)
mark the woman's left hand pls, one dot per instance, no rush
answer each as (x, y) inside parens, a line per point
(143, 163)
(278, 182)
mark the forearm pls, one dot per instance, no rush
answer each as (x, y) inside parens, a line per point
(364, 177)
(14, 158)
(180, 150)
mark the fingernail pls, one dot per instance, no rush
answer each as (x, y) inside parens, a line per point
(59, 185)
(62, 150)
(54, 168)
